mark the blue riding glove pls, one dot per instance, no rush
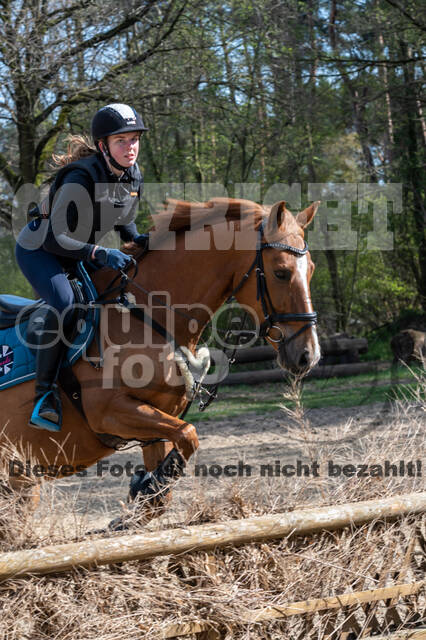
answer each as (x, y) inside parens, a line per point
(112, 258)
(142, 240)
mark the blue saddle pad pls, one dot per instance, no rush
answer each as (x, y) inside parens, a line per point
(17, 360)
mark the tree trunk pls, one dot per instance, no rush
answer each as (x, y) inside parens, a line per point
(389, 131)
(415, 174)
(26, 134)
(358, 99)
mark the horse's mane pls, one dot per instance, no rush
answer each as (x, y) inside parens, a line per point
(182, 215)
(191, 215)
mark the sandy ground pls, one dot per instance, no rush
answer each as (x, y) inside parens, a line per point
(239, 445)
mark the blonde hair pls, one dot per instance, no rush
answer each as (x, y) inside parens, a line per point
(79, 146)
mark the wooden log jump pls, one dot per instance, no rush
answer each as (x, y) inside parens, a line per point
(329, 346)
(255, 354)
(325, 371)
(90, 553)
(339, 344)
(304, 607)
(332, 349)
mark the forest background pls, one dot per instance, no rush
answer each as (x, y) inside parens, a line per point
(265, 93)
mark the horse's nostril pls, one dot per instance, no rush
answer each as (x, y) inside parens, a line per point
(304, 359)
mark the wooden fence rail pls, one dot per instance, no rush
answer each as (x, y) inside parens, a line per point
(325, 371)
(329, 346)
(331, 365)
(304, 607)
(99, 551)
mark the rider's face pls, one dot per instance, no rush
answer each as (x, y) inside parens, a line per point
(124, 147)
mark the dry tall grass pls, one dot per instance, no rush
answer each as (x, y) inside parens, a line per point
(138, 600)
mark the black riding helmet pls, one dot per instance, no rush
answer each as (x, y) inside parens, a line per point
(112, 119)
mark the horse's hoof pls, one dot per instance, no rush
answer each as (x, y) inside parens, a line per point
(118, 524)
(155, 485)
(95, 532)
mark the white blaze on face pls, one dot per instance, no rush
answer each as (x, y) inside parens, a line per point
(302, 267)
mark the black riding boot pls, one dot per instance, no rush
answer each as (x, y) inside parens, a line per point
(47, 413)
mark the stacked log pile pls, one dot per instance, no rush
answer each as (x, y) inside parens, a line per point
(340, 357)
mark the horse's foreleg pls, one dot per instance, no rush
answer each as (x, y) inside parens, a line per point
(153, 455)
(154, 487)
(129, 418)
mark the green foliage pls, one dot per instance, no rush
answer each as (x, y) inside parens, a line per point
(12, 280)
(379, 345)
(259, 93)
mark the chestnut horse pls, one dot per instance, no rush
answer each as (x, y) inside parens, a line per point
(199, 255)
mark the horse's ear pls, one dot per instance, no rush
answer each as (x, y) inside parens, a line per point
(305, 217)
(275, 218)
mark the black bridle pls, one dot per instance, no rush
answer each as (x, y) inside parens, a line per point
(271, 315)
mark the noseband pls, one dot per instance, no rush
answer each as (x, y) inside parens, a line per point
(271, 315)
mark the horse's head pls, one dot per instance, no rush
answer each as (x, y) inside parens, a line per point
(283, 294)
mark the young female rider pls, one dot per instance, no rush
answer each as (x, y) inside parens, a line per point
(96, 189)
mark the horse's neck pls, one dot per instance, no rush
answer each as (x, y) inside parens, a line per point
(196, 283)
(199, 281)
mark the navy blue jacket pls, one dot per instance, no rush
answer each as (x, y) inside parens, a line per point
(86, 201)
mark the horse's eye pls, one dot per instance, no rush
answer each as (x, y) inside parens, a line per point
(282, 274)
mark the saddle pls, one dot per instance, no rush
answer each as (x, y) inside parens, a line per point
(11, 306)
(18, 320)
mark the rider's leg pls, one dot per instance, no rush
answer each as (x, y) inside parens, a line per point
(46, 275)
(50, 349)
